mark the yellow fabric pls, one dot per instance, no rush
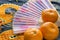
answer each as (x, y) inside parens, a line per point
(5, 17)
(6, 36)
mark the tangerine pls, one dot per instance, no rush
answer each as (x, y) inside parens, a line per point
(49, 15)
(33, 34)
(49, 30)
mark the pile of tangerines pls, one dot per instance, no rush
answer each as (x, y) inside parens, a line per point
(48, 30)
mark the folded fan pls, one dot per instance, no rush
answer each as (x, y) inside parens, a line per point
(29, 14)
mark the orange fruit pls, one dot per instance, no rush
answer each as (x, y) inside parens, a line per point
(49, 30)
(49, 15)
(33, 34)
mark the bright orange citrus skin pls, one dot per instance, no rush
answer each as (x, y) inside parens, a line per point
(33, 34)
(49, 30)
(49, 15)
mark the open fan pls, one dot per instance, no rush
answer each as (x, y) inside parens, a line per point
(29, 14)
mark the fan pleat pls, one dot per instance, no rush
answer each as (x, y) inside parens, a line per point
(29, 14)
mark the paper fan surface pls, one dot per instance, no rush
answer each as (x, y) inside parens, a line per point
(29, 14)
